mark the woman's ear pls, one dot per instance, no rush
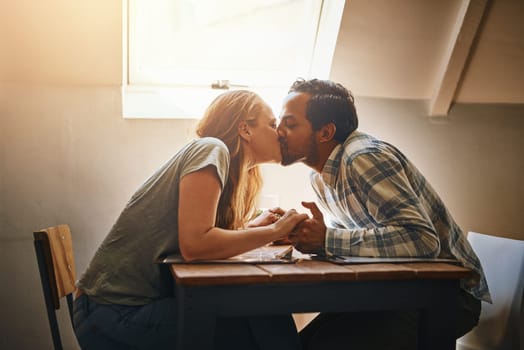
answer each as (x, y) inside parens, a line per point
(244, 132)
(327, 132)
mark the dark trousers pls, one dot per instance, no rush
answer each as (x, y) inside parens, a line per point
(378, 330)
(153, 326)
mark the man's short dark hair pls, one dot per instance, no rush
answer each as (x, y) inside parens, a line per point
(330, 102)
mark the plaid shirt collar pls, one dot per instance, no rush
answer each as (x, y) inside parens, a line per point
(331, 168)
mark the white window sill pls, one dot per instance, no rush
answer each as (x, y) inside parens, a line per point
(161, 102)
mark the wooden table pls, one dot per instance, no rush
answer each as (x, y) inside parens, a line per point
(207, 291)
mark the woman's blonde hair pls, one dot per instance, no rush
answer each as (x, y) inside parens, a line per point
(221, 120)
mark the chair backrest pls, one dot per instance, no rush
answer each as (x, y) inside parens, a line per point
(501, 323)
(54, 253)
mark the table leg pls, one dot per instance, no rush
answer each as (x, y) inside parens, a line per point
(437, 323)
(196, 322)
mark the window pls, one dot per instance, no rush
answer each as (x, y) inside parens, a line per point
(182, 53)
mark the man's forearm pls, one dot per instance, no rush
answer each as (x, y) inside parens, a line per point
(388, 241)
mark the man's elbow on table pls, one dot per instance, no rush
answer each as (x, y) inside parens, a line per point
(428, 245)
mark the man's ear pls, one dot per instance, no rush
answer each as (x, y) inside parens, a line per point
(327, 132)
(244, 132)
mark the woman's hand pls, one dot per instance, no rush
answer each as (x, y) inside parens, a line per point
(287, 223)
(267, 217)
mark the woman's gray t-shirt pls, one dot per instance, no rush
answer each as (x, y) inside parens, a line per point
(123, 269)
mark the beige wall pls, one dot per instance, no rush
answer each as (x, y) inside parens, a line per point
(67, 156)
(61, 42)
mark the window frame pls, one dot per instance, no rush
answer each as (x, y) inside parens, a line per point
(160, 101)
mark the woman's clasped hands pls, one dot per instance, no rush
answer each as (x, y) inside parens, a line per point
(284, 221)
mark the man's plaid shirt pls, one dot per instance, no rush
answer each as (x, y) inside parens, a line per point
(380, 205)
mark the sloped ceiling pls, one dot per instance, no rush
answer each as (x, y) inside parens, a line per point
(442, 51)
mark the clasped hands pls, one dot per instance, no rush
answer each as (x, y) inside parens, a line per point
(308, 236)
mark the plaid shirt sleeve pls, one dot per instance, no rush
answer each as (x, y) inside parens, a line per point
(388, 218)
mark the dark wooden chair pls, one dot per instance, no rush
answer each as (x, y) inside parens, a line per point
(54, 253)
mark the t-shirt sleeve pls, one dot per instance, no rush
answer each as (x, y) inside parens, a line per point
(208, 152)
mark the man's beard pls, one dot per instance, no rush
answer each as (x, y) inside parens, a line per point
(309, 157)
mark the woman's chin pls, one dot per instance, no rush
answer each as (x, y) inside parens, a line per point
(276, 160)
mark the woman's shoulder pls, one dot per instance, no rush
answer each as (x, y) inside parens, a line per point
(206, 150)
(205, 143)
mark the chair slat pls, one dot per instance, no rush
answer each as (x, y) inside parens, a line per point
(61, 246)
(54, 253)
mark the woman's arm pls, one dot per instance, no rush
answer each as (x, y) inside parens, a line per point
(199, 238)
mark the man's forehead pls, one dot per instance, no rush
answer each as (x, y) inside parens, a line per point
(294, 106)
(297, 98)
(296, 102)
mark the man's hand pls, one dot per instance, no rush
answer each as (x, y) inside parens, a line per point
(309, 235)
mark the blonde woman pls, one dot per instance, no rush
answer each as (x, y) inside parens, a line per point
(198, 204)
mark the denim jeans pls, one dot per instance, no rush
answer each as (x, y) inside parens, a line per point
(153, 326)
(99, 326)
(392, 330)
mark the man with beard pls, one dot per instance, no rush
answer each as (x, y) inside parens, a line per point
(378, 204)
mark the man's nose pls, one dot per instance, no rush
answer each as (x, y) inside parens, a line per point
(280, 129)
